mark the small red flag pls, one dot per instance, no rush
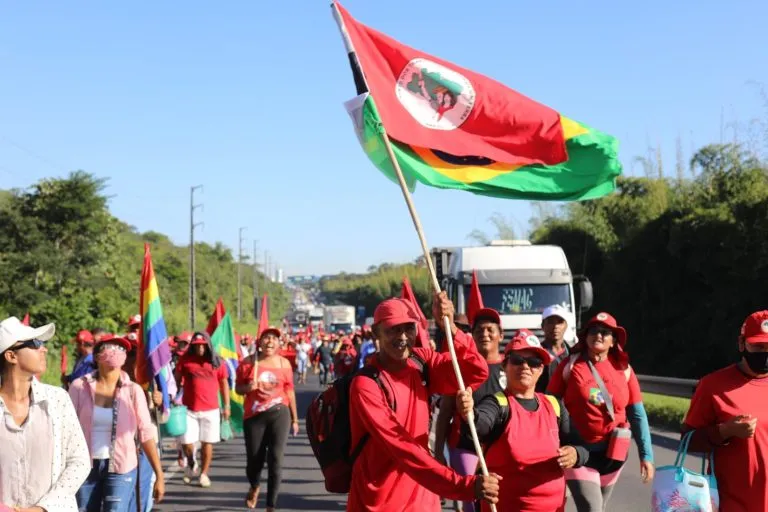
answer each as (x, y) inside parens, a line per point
(475, 302)
(429, 102)
(263, 317)
(63, 362)
(423, 325)
(218, 314)
(26, 319)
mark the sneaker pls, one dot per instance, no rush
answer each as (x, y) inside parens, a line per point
(205, 481)
(189, 474)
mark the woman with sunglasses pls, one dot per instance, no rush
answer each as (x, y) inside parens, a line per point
(602, 394)
(527, 435)
(44, 458)
(113, 412)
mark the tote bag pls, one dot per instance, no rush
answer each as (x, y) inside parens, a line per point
(676, 488)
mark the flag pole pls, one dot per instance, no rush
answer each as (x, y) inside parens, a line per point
(425, 248)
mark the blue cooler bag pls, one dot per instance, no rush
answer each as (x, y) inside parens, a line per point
(676, 488)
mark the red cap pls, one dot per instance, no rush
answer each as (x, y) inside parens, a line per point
(526, 340)
(200, 338)
(607, 320)
(393, 312)
(84, 337)
(755, 328)
(271, 330)
(134, 320)
(114, 338)
(487, 314)
(366, 328)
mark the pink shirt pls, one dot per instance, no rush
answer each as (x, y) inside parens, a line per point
(132, 419)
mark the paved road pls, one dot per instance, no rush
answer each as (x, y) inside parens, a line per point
(302, 487)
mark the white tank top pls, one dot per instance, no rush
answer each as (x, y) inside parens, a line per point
(101, 432)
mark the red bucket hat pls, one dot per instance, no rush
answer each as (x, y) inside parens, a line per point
(393, 312)
(134, 320)
(526, 340)
(755, 328)
(606, 320)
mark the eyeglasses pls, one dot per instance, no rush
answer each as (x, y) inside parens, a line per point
(532, 362)
(112, 346)
(33, 344)
(602, 331)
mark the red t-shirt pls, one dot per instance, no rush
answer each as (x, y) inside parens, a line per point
(584, 401)
(395, 472)
(274, 385)
(201, 383)
(741, 466)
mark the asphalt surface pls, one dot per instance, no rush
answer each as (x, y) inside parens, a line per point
(302, 487)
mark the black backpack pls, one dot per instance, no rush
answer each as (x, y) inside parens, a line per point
(329, 430)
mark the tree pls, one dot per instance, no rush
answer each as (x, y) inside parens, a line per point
(502, 225)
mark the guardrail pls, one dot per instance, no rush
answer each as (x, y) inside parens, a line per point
(669, 386)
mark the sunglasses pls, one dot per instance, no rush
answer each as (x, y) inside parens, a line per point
(112, 346)
(602, 331)
(87, 344)
(532, 362)
(33, 344)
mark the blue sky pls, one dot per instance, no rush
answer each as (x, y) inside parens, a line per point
(246, 98)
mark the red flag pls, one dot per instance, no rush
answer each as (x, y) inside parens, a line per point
(218, 314)
(63, 362)
(423, 324)
(26, 320)
(475, 302)
(263, 317)
(428, 102)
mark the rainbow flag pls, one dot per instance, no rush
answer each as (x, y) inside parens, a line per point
(223, 341)
(153, 363)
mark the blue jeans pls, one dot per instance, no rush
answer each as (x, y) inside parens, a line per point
(146, 483)
(113, 490)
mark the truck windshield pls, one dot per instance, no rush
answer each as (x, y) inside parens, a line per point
(523, 299)
(347, 328)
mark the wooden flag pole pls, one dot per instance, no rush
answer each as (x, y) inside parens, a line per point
(424, 247)
(436, 286)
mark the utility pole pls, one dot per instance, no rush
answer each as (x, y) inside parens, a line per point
(255, 280)
(192, 276)
(266, 270)
(240, 276)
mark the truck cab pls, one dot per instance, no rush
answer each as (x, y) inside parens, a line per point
(516, 278)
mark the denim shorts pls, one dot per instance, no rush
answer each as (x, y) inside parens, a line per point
(113, 490)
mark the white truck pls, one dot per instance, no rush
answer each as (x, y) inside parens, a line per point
(317, 318)
(516, 278)
(340, 318)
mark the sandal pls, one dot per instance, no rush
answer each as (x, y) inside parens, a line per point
(252, 498)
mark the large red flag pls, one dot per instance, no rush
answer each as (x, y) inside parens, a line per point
(428, 102)
(475, 302)
(263, 317)
(423, 325)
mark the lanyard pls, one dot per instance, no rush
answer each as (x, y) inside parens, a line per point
(600, 384)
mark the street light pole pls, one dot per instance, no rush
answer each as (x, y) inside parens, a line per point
(192, 275)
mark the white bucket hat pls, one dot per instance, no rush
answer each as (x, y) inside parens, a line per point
(12, 331)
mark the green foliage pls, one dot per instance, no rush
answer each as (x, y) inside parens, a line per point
(65, 259)
(666, 411)
(677, 262)
(379, 283)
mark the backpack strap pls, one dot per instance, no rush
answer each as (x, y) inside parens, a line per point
(501, 420)
(555, 404)
(423, 368)
(569, 366)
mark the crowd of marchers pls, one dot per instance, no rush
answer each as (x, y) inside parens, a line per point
(550, 416)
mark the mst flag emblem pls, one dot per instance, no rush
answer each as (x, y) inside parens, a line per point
(437, 97)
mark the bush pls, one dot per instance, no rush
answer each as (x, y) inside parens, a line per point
(665, 411)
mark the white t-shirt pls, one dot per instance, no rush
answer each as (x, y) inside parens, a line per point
(101, 432)
(302, 350)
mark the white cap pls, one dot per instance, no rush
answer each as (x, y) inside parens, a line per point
(562, 312)
(12, 331)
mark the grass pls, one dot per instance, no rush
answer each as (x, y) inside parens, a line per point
(665, 411)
